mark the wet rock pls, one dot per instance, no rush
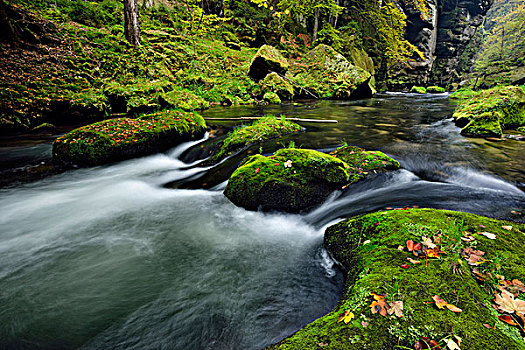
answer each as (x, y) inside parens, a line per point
(267, 60)
(123, 138)
(43, 128)
(292, 180)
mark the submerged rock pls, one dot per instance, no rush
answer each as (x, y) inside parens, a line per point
(291, 180)
(328, 74)
(491, 111)
(124, 138)
(372, 249)
(267, 60)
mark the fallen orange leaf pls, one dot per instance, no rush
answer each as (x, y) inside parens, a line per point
(453, 308)
(440, 303)
(507, 319)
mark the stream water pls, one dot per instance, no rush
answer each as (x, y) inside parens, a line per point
(109, 258)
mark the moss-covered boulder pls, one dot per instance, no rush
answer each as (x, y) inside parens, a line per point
(462, 94)
(291, 180)
(272, 97)
(362, 162)
(268, 59)
(491, 111)
(123, 138)
(435, 89)
(273, 82)
(328, 74)
(260, 131)
(418, 89)
(372, 249)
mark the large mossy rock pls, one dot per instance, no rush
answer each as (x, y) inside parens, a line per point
(328, 74)
(367, 247)
(491, 111)
(291, 180)
(362, 162)
(268, 59)
(124, 138)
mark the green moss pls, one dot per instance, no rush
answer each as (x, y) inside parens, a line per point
(362, 162)
(367, 248)
(435, 89)
(271, 97)
(261, 130)
(273, 82)
(291, 180)
(462, 94)
(418, 89)
(328, 74)
(490, 111)
(184, 99)
(122, 138)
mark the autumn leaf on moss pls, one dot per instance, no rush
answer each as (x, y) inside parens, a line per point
(441, 304)
(508, 228)
(396, 308)
(515, 286)
(378, 296)
(380, 307)
(425, 343)
(428, 242)
(507, 319)
(488, 235)
(507, 303)
(347, 316)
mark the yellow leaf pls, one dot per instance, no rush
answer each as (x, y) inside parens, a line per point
(346, 317)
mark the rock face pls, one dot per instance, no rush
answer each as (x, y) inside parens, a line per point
(268, 59)
(123, 138)
(442, 37)
(491, 111)
(376, 269)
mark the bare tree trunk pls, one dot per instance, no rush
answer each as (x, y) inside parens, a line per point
(131, 22)
(316, 24)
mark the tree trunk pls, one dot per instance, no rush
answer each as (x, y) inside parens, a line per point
(316, 24)
(131, 22)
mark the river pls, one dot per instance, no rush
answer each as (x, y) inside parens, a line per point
(110, 258)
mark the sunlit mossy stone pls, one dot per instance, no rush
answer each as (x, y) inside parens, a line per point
(123, 138)
(292, 180)
(268, 59)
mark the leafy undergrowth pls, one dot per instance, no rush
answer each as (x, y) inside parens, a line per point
(362, 163)
(264, 129)
(488, 112)
(121, 138)
(420, 278)
(71, 71)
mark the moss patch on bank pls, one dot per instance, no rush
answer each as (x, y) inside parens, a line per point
(491, 111)
(367, 248)
(123, 138)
